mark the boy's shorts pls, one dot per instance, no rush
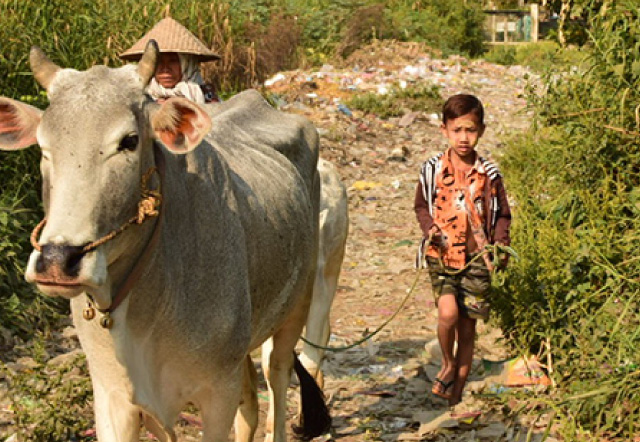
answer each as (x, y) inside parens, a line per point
(470, 286)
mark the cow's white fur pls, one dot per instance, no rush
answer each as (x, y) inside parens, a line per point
(235, 260)
(334, 228)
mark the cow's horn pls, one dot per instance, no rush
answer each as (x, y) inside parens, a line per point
(148, 62)
(44, 70)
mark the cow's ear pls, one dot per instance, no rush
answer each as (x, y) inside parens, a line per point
(18, 124)
(180, 124)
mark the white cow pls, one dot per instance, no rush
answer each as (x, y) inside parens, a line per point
(227, 264)
(334, 228)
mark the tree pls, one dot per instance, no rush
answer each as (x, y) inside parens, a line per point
(580, 10)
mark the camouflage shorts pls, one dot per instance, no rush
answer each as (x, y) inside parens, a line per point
(470, 287)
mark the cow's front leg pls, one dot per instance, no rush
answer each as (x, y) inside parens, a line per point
(219, 405)
(117, 419)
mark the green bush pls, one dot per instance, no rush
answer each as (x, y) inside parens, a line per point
(502, 54)
(343, 26)
(574, 295)
(451, 26)
(541, 57)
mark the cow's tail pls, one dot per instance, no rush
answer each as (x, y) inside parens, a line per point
(315, 419)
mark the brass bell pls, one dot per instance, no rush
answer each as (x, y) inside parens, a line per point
(88, 313)
(106, 321)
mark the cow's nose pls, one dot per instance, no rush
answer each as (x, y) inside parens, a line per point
(60, 258)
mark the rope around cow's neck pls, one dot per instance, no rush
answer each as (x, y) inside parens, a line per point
(492, 248)
(148, 206)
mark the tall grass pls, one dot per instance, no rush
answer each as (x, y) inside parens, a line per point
(574, 296)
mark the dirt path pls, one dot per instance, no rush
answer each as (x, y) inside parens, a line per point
(379, 391)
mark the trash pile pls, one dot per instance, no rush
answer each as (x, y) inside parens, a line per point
(322, 95)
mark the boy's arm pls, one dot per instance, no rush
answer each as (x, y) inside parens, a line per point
(503, 222)
(422, 212)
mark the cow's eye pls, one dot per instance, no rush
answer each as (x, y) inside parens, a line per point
(130, 142)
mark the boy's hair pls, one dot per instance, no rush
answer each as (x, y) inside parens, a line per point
(462, 104)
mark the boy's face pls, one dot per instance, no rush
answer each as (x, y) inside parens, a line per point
(463, 134)
(168, 72)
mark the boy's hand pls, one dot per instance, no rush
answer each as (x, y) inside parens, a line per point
(435, 236)
(503, 259)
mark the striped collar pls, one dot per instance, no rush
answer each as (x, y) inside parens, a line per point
(478, 165)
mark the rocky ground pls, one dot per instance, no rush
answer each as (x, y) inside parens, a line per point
(379, 391)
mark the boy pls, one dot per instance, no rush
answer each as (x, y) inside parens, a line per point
(462, 207)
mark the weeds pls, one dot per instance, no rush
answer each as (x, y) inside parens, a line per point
(255, 38)
(51, 403)
(420, 97)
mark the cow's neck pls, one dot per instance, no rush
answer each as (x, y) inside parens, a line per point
(121, 290)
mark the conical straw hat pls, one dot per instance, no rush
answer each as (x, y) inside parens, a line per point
(171, 36)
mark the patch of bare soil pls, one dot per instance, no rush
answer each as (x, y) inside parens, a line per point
(380, 391)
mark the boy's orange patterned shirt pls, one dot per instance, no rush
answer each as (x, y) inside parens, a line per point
(458, 202)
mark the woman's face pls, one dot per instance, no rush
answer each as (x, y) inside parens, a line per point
(168, 72)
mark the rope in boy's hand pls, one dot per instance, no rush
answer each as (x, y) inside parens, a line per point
(435, 237)
(377, 330)
(499, 252)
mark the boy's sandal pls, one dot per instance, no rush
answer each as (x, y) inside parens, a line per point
(441, 388)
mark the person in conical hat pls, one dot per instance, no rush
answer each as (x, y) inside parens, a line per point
(178, 72)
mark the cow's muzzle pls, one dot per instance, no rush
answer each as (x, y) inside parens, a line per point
(59, 264)
(60, 269)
